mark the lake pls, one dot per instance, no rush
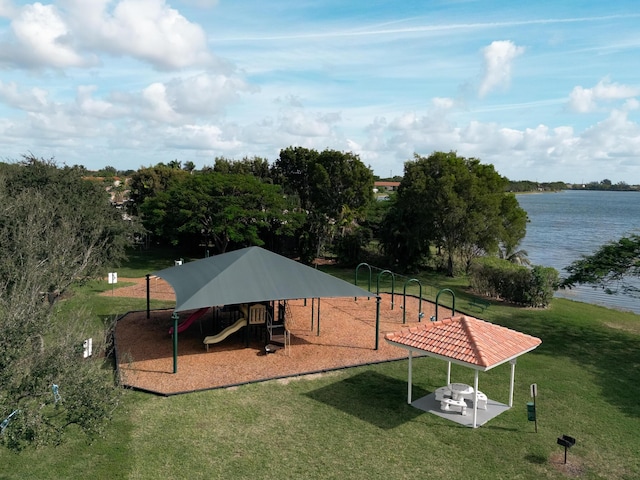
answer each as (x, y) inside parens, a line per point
(566, 225)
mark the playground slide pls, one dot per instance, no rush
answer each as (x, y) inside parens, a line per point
(225, 333)
(192, 318)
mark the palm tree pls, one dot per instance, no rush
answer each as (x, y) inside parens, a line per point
(510, 254)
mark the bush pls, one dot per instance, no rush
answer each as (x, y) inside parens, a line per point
(496, 278)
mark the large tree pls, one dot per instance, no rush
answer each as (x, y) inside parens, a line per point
(333, 188)
(218, 209)
(152, 181)
(55, 229)
(454, 204)
(609, 268)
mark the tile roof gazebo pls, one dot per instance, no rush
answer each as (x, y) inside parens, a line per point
(465, 341)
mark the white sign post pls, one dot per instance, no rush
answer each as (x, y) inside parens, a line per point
(87, 347)
(113, 279)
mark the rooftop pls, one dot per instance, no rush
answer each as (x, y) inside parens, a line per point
(466, 340)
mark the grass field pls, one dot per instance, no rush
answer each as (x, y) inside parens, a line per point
(355, 423)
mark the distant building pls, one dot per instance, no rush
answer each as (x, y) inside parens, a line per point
(386, 186)
(380, 189)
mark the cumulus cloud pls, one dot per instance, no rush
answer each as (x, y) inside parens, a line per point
(585, 100)
(7, 9)
(34, 99)
(74, 35)
(96, 107)
(41, 37)
(146, 29)
(205, 93)
(498, 58)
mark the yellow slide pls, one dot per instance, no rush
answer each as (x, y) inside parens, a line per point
(225, 333)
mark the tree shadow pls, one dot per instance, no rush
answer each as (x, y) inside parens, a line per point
(613, 355)
(370, 396)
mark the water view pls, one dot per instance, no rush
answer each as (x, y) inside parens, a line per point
(566, 225)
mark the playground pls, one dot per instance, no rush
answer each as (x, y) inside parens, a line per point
(346, 337)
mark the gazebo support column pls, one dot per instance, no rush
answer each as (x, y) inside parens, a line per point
(513, 376)
(475, 399)
(410, 377)
(448, 373)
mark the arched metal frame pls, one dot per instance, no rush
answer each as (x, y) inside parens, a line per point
(357, 268)
(453, 296)
(404, 300)
(393, 284)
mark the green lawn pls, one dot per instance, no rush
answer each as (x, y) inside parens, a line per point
(355, 423)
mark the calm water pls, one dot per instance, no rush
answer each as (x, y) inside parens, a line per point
(564, 226)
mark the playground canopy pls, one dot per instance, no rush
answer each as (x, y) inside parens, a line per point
(248, 275)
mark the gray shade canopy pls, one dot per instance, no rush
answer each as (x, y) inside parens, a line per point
(248, 275)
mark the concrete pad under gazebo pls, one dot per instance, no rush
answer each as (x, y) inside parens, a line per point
(469, 342)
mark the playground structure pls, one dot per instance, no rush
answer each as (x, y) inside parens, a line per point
(229, 320)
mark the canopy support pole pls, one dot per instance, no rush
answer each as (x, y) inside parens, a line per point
(410, 377)
(318, 332)
(175, 318)
(513, 376)
(313, 310)
(148, 309)
(377, 321)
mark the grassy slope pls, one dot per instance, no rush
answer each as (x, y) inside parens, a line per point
(356, 424)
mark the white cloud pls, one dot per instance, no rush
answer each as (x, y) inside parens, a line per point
(201, 137)
(41, 37)
(96, 108)
(156, 105)
(148, 30)
(498, 58)
(35, 99)
(585, 100)
(7, 9)
(201, 3)
(299, 123)
(205, 93)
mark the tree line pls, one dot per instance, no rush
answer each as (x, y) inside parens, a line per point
(310, 202)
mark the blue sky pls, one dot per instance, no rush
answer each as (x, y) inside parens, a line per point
(542, 90)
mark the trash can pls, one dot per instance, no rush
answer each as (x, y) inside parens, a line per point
(531, 411)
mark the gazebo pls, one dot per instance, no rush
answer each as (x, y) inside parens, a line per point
(469, 342)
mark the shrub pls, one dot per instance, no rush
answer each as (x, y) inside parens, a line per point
(493, 277)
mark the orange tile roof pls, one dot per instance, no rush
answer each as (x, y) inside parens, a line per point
(466, 339)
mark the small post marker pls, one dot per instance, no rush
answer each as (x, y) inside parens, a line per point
(531, 406)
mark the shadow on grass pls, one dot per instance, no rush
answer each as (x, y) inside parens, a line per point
(535, 459)
(614, 356)
(370, 396)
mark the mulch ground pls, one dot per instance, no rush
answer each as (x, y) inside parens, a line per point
(144, 348)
